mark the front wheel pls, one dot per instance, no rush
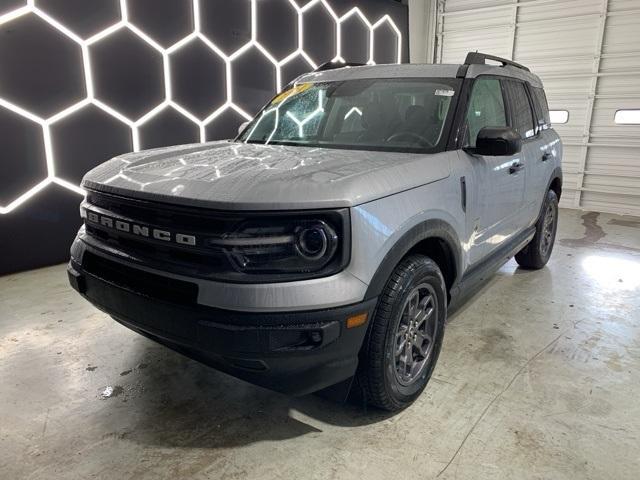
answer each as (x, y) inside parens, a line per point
(537, 252)
(402, 347)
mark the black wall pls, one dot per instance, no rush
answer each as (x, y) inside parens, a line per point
(58, 118)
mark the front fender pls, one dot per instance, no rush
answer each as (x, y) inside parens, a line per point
(383, 231)
(432, 228)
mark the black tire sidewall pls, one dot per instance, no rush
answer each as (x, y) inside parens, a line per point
(530, 257)
(425, 273)
(550, 199)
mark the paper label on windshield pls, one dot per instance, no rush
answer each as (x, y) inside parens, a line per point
(295, 90)
(444, 93)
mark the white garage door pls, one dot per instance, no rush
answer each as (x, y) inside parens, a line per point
(587, 53)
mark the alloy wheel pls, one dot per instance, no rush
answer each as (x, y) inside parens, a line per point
(547, 230)
(415, 334)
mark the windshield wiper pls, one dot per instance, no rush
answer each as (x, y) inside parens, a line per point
(287, 142)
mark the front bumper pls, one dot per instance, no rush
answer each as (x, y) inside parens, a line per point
(291, 352)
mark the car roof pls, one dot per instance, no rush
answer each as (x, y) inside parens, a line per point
(413, 70)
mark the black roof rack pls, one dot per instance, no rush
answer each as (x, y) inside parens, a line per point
(333, 64)
(477, 58)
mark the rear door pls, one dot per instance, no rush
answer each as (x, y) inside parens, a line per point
(523, 121)
(495, 184)
(542, 156)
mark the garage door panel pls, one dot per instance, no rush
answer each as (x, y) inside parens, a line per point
(577, 109)
(567, 199)
(610, 202)
(625, 185)
(603, 124)
(572, 138)
(543, 38)
(466, 28)
(571, 160)
(612, 180)
(479, 20)
(569, 178)
(546, 65)
(466, 5)
(622, 5)
(622, 84)
(620, 162)
(622, 34)
(620, 62)
(566, 86)
(536, 10)
(457, 45)
(624, 135)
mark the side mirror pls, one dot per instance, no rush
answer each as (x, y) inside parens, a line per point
(497, 141)
(242, 126)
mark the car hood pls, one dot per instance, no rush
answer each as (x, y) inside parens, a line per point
(231, 175)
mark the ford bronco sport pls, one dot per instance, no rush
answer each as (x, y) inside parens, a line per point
(323, 247)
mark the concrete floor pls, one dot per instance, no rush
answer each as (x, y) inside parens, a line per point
(539, 377)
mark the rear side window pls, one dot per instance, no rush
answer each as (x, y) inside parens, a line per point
(521, 114)
(486, 108)
(542, 109)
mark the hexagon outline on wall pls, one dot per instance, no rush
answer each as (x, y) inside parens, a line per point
(135, 124)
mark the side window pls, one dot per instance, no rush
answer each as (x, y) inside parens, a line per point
(542, 109)
(486, 108)
(522, 116)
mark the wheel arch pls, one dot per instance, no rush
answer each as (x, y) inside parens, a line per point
(433, 238)
(555, 182)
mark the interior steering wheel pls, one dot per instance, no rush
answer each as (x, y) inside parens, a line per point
(410, 135)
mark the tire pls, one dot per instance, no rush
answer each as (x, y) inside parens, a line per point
(382, 373)
(537, 252)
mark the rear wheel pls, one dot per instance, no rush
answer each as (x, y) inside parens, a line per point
(537, 252)
(406, 335)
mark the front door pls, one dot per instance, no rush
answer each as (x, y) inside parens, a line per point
(495, 185)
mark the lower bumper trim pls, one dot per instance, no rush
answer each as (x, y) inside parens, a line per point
(290, 352)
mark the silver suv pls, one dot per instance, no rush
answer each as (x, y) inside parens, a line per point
(323, 247)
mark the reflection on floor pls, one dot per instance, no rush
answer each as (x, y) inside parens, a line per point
(539, 378)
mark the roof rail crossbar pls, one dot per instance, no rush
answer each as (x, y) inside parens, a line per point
(477, 58)
(333, 65)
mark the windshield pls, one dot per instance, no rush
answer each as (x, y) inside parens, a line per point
(367, 114)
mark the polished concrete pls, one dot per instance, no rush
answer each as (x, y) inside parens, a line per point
(539, 377)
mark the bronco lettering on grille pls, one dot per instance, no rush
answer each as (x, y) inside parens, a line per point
(140, 230)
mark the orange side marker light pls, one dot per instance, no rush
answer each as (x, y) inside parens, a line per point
(357, 320)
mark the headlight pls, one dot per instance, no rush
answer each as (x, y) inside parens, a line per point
(309, 246)
(315, 242)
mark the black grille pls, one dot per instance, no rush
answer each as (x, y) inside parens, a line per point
(187, 260)
(171, 258)
(201, 260)
(189, 219)
(144, 283)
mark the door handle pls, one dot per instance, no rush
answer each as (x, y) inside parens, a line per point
(546, 156)
(515, 167)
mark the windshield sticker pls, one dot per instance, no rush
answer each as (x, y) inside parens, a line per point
(295, 90)
(444, 93)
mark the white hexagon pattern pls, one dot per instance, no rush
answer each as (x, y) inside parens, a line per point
(169, 102)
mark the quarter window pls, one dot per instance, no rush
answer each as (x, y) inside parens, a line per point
(542, 109)
(522, 120)
(486, 108)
